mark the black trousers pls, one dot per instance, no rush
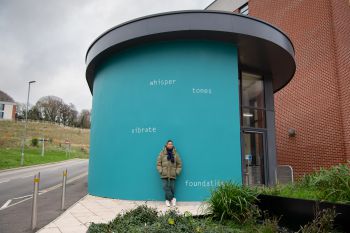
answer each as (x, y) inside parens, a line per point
(169, 188)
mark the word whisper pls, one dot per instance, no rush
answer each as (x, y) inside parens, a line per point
(203, 183)
(139, 130)
(162, 82)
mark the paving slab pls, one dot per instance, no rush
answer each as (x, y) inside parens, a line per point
(90, 209)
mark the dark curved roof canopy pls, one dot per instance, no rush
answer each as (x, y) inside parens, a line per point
(261, 46)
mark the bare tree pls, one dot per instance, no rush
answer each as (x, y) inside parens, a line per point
(34, 113)
(68, 114)
(53, 109)
(84, 119)
(20, 110)
(50, 108)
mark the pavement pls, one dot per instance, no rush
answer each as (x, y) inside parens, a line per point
(16, 188)
(90, 209)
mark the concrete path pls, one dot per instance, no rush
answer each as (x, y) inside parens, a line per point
(102, 210)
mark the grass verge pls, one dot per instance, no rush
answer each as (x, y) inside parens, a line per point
(11, 157)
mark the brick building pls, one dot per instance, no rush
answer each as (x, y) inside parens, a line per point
(313, 110)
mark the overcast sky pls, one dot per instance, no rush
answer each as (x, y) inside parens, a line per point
(46, 41)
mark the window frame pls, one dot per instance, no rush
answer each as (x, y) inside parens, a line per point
(241, 107)
(244, 9)
(2, 110)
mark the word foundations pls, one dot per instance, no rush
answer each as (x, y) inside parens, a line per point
(203, 183)
(141, 130)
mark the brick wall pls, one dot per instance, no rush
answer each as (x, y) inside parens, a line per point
(14, 108)
(341, 31)
(317, 101)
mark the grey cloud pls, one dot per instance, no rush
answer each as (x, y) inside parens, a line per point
(46, 41)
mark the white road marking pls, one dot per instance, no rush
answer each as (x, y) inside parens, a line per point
(22, 197)
(60, 184)
(28, 198)
(6, 204)
(45, 190)
(22, 177)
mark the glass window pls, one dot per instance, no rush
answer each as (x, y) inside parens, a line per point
(2, 107)
(244, 9)
(253, 118)
(253, 160)
(252, 90)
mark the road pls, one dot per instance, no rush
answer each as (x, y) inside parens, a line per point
(17, 184)
(16, 188)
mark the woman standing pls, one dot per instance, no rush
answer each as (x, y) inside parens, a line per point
(169, 165)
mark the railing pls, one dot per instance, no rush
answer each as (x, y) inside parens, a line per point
(284, 174)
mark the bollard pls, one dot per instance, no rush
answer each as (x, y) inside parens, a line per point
(64, 181)
(35, 200)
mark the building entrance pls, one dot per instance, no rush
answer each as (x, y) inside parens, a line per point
(254, 158)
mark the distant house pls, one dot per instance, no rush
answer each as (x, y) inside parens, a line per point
(7, 107)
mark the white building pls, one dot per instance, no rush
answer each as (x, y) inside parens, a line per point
(7, 107)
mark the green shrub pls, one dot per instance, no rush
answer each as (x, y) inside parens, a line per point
(290, 190)
(234, 202)
(146, 219)
(140, 215)
(332, 184)
(323, 222)
(35, 142)
(270, 225)
(99, 228)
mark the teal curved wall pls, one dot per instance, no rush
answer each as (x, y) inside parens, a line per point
(185, 90)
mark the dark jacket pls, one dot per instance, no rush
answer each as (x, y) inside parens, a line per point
(167, 169)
